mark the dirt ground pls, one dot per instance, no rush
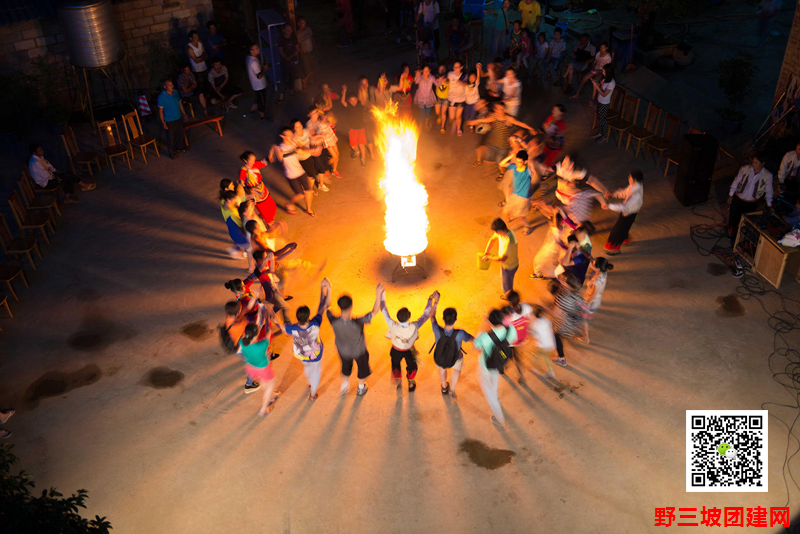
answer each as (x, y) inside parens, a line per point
(114, 365)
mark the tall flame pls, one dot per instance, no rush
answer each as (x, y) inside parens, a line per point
(405, 197)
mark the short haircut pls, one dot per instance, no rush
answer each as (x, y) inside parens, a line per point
(302, 314)
(523, 155)
(345, 302)
(295, 121)
(561, 108)
(210, 23)
(403, 315)
(557, 30)
(285, 129)
(513, 298)
(760, 155)
(233, 307)
(250, 225)
(496, 317)
(259, 254)
(34, 147)
(498, 224)
(192, 33)
(164, 81)
(585, 35)
(605, 43)
(639, 177)
(449, 315)
(215, 60)
(246, 155)
(311, 109)
(228, 194)
(572, 239)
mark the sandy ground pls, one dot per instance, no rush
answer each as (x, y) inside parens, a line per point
(131, 290)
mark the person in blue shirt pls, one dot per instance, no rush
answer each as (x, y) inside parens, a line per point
(216, 40)
(459, 336)
(522, 181)
(305, 339)
(489, 378)
(170, 111)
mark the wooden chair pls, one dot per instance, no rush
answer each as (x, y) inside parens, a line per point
(9, 273)
(136, 137)
(83, 159)
(17, 246)
(29, 221)
(627, 118)
(44, 203)
(670, 129)
(673, 158)
(617, 98)
(4, 302)
(111, 142)
(647, 131)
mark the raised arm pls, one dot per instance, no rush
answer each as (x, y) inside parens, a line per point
(324, 296)
(379, 294)
(344, 95)
(428, 309)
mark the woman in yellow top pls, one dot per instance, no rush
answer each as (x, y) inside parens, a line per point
(442, 89)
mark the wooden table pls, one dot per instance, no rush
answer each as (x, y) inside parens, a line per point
(759, 247)
(216, 119)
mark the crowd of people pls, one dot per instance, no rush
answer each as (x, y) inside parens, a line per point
(484, 103)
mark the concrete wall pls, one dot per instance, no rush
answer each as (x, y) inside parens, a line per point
(791, 59)
(139, 22)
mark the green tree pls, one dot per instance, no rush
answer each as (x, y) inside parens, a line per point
(22, 512)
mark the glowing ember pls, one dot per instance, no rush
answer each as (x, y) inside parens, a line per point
(405, 197)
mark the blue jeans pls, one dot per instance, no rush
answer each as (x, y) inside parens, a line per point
(508, 278)
(405, 16)
(498, 44)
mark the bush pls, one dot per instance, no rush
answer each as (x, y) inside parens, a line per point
(22, 513)
(735, 79)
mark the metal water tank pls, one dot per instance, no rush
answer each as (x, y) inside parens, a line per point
(91, 32)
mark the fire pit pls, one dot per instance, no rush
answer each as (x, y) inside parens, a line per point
(405, 198)
(414, 264)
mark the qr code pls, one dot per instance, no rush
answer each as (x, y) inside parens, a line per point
(726, 450)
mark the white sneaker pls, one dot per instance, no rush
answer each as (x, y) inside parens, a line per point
(550, 374)
(234, 252)
(344, 389)
(324, 188)
(244, 254)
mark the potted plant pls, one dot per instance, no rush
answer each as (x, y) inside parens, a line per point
(735, 80)
(53, 90)
(15, 94)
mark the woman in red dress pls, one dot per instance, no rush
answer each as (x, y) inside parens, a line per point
(250, 176)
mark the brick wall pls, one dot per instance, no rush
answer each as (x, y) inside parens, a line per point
(139, 22)
(791, 58)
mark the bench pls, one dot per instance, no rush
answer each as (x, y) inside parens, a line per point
(216, 119)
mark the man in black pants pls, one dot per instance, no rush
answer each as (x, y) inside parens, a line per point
(170, 111)
(751, 185)
(45, 175)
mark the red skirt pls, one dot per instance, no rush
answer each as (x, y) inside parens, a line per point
(267, 209)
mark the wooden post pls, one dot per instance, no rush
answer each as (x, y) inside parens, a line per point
(290, 12)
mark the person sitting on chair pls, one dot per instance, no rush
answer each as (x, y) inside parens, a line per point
(45, 175)
(751, 185)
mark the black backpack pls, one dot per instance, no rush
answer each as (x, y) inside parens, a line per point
(447, 350)
(226, 340)
(501, 352)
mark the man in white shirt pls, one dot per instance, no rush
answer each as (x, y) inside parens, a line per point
(751, 185)
(261, 84)
(631, 202)
(787, 174)
(45, 175)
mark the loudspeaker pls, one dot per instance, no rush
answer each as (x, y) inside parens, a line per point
(696, 160)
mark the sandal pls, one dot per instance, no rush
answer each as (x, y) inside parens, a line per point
(499, 178)
(312, 213)
(289, 210)
(476, 163)
(274, 398)
(313, 397)
(527, 231)
(501, 203)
